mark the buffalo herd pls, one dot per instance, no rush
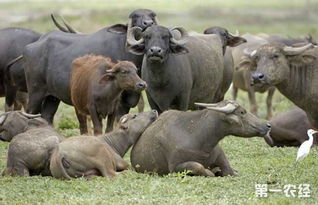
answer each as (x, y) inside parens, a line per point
(102, 75)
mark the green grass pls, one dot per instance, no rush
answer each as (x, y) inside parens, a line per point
(256, 162)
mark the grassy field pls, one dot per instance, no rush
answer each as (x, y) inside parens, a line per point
(256, 162)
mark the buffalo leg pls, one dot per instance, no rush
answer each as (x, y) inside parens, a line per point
(49, 108)
(152, 104)
(195, 168)
(253, 104)
(110, 122)
(141, 104)
(82, 121)
(97, 121)
(10, 92)
(120, 163)
(35, 102)
(269, 102)
(221, 161)
(234, 92)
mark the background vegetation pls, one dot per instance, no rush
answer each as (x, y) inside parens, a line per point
(256, 162)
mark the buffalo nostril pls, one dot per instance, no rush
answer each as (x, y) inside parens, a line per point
(261, 76)
(268, 125)
(151, 50)
(142, 85)
(144, 23)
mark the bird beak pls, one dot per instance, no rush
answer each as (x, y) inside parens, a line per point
(315, 132)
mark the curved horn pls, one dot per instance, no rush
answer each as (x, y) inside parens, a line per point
(3, 117)
(183, 33)
(129, 24)
(131, 40)
(296, 50)
(229, 108)
(30, 116)
(206, 104)
(61, 28)
(249, 53)
(71, 30)
(156, 20)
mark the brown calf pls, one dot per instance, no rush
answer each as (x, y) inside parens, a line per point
(96, 84)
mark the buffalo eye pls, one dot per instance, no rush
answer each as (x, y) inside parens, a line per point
(274, 56)
(242, 112)
(124, 72)
(134, 116)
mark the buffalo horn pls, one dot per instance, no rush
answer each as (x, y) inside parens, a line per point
(3, 118)
(206, 104)
(131, 40)
(296, 50)
(71, 30)
(227, 109)
(182, 39)
(30, 116)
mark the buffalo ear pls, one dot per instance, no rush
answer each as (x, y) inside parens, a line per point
(178, 49)
(136, 49)
(235, 41)
(118, 28)
(36, 122)
(307, 58)
(106, 77)
(233, 119)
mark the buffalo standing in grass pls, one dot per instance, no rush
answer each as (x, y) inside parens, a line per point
(293, 71)
(180, 71)
(49, 62)
(180, 141)
(96, 84)
(12, 43)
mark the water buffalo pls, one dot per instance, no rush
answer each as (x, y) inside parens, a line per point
(96, 84)
(293, 71)
(12, 42)
(290, 128)
(89, 156)
(181, 71)
(242, 74)
(179, 141)
(30, 149)
(49, 62)
(16, 122)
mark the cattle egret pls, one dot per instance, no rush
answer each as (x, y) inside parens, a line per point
(304, 148)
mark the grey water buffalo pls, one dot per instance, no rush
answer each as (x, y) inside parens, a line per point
(96, 84)
(290, 128)
(292, 70)
(179, 70)
(87, 156)
(49, 62)
(12, 81)
(179, 141)
(242, 75)
(228, 40)
(30, 150)
(15, 122)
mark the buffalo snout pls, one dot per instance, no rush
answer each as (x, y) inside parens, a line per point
(141, 86)
(258, 78)
(155, 50)
(147, 23)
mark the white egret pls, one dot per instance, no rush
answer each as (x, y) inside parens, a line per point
(304, 148)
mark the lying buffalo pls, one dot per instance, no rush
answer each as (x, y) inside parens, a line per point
(180, 141)
(180, 70)
(12, 43)
(16, 122)
(290, 128)
(293, 71)
(96, 84)
(49, 62)
(87, 156)
(30, 150)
